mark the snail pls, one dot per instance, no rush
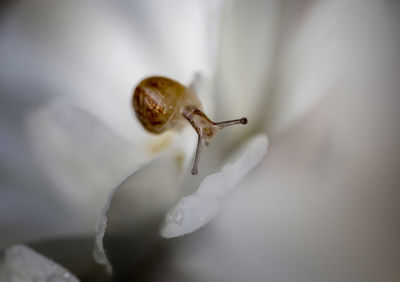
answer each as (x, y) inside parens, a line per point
(162, 104)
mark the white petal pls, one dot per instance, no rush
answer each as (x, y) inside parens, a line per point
(194, 211)
(277, 59)
(99, 253)
(23, 264)
(316, 54)
(248, 38)
(82, 157)
(154, 193)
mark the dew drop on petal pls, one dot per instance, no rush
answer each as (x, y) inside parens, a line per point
(175, 216)
(179, 217)
(198, 209)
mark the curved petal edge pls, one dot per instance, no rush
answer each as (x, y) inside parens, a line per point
(194, 211)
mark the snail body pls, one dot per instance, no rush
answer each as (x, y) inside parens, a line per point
(162, 104)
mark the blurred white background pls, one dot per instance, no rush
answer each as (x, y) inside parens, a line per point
(320, 78)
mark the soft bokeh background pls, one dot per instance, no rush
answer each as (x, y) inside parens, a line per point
(324, 203)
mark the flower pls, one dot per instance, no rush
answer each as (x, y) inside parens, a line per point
(88, 140)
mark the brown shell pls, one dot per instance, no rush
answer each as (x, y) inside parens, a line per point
(156, 101)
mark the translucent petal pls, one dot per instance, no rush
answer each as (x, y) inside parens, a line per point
(22, 264)
(314, 54)
(194, 211)
(99, 253)
(82, 157)
(247, 39)
(277, 59)
(141, 196)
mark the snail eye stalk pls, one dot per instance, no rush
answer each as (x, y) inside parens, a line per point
(206, 129)
(226, 123)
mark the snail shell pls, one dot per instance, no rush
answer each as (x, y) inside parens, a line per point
(159, 103)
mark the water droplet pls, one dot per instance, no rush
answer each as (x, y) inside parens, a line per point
(175, 216)
(179, 217)
(170, 216)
